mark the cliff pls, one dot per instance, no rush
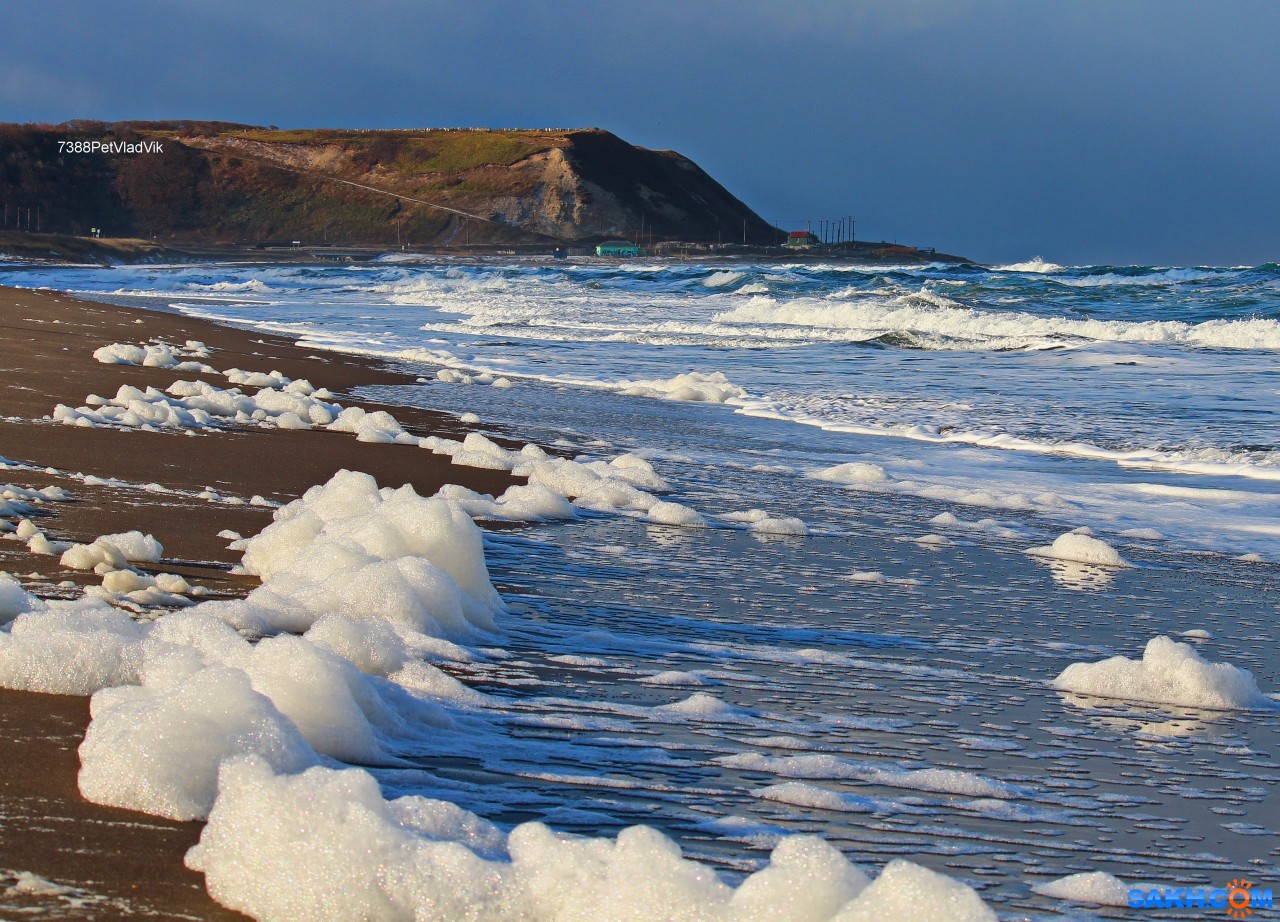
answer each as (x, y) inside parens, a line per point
(221, 183)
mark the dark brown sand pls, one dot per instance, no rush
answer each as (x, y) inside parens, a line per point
(131, 864)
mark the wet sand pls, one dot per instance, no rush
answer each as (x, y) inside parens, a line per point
(119, 862)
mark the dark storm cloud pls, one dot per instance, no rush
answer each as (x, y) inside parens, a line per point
(1139, 131)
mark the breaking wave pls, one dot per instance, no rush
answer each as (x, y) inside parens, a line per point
(1035, 264)
(929, 314)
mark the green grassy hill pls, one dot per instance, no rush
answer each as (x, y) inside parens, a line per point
(221, 183)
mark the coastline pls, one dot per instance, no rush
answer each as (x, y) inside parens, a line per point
(118, 861)
(67, 250)
(583, 582)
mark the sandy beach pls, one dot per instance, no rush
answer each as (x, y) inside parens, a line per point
(120, 862)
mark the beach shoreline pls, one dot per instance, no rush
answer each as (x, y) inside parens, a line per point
(905, 597)
(115, 861)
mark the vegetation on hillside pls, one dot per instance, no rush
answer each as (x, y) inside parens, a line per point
(219, 182)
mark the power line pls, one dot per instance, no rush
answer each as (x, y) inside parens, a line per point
(347, 182)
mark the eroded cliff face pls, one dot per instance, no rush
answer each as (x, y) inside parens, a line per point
(218, 183)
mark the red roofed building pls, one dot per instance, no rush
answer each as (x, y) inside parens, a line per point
(801, 240)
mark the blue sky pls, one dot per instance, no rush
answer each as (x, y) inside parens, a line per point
(1125, 131)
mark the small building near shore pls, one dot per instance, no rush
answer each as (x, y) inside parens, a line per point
(622, 248)
(801, 240)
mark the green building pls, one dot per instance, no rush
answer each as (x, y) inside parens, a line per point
(620, 248)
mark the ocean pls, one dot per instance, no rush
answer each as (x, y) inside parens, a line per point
(882, 676)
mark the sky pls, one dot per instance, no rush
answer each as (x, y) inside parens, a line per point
(1083, 131)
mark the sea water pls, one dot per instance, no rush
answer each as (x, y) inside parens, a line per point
(888, 692)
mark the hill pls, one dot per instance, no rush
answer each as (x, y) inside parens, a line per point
(222, 183)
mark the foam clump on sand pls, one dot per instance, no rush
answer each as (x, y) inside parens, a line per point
(156, 747)
(244, 378)
(200, 405)
(114, 549)
(1095, 887)
(15, 500)
(158, 354)
(1168, 673)
(68, 648)
(14, 600)
(378, 427)
(372, 572)
(1081, 548)
(529, 503)
(623, 484)
(389, 554)
(18, 502)
(415, 857)
(135, 590)
(117, 551)
(692, 386)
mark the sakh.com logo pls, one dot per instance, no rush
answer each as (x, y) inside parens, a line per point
(1238, 898)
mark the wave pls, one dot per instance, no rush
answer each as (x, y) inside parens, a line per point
(1249, 464)
(723, 279)
(928, 313)
(1035, 264)
(252, 285)
(1146, 276)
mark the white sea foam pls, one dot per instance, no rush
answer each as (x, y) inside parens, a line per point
(1035, 264)
(722, 279)
(1168, 673)
(1096, 887)
(1146, 278)
(929, 314)
(690, 386)
(1080, 548)
(156, 354)
(762, 522)
(114, 550)
(362, 857)
(851, 472)
(199, 405)
(821, 766)
(192, 720)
